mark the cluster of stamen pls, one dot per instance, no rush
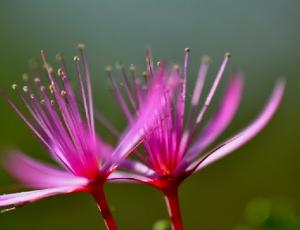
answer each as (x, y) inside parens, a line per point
(184, 123)
(55, 108)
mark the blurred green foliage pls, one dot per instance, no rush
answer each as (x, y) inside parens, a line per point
(162, 225)
(263, 37)
(267, 214)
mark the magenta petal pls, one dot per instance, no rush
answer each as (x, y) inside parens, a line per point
(221, 119)
(127, 177)
(155, 102)
(23, 198)
(137, 167)
(245, 135)
(38, 175)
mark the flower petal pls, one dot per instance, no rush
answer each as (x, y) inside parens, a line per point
(221, 119)
(127, 177)
(137, 167)
(245, 135)
(38, 175)
(23, 198)
(154, 103)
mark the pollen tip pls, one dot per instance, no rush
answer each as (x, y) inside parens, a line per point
(132, 67)
(60, 72)
(108, 70)
(119, 66)
(206, 59)
(42, 102)
(51, 88)
(42, 88)
(37, 80)
(81, 46)
(76, 58)
(14, 86)
(49, 69)
(25, 88)
(176, 67)
(227, 54)
(158, 64)
(63, 93)
(187, 50)
(25, 77)
(145, 74)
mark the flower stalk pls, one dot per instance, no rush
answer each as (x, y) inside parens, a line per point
(172, 201)
(100, 198)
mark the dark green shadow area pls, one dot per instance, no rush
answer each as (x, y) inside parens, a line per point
(264, 38)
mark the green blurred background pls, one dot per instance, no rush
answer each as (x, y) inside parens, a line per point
(264, 38)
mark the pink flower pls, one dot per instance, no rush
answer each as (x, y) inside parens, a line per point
(86, 161)
(174, 148)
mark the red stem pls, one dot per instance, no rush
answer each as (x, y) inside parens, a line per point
(103, 206)
(171, 198)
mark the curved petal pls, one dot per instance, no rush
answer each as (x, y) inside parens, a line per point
(121, 177)
(137, 167)
(245, 135)
(23, 198)
(221, 119)
(39, 175)
(132, 137)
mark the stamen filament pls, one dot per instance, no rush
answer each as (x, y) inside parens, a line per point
(213, 89)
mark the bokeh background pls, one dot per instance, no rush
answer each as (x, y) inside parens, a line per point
(264, 38)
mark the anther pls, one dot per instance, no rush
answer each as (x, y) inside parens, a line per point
(227, 54)
(51, 87)
(32, 96)
(63, 93)
(206, 59)
(25, 77)
(14, 86)
(50, 70)
(81, 46)
(42, 88)
(119, 66)
(145, 74)
(176, 67)
(25, 88)
(52, 102)
(158, 64)
(60, 72)
(132, 68)
(42, 102)
(76, 58)
(37, 80)
(187, 50)
(109, 70)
